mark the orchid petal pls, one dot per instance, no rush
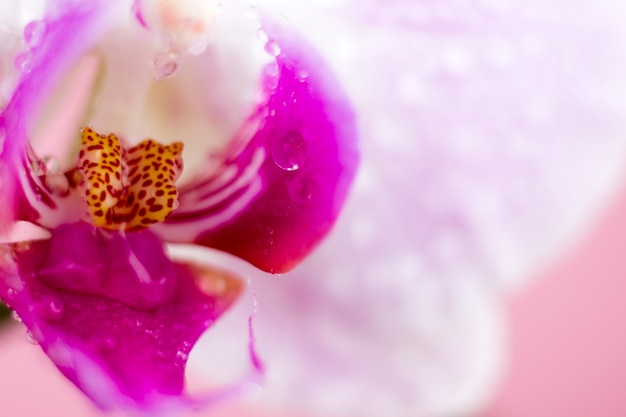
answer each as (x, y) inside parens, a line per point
(492, 134)
(286, 176)
(68, 29)
(113, 313)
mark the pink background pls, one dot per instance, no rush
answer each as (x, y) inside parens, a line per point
(568, 332)
(567, 344)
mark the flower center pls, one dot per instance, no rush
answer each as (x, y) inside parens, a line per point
(128, 189)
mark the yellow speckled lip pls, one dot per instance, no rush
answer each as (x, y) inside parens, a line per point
(128, 189)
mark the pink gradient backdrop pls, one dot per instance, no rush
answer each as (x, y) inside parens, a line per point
(568, 338)
(567, 344)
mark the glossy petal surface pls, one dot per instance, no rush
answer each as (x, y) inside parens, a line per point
(286, 176)
(114, 314)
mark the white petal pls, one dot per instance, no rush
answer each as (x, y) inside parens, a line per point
(493, 134)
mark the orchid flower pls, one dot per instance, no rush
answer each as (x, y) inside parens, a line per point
(492, 133)
(99, 292)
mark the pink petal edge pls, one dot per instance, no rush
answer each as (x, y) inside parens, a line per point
(287, 174)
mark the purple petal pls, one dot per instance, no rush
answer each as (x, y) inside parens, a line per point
(69, 28)
(285, 178)
(114, 314)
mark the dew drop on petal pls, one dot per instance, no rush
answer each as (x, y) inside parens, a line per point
(50, 308)
(16, 316)
(34, 32)
(273, 48)
(270, 82)
(30, 338)
(262, 35)
(22, 61)
(164, 66)
(288, 151)
(182, 355)
(302, 75)
(11, 295)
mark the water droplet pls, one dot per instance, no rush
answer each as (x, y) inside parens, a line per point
(167, 70)
(302, 74)
(165, 65)
(272, 47)
(289, 151)
(301, 189)
(271, 70)
(11, 293)
(271, 74)
(22, 61)
(50, 308)
(262, 35)
(16, 316)
(34, 32)
(31, 338)
(182, 355)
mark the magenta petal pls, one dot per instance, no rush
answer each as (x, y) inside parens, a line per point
(283, 182)
(122, 352)
(68, 29)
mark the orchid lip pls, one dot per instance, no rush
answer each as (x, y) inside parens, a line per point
(130, 297)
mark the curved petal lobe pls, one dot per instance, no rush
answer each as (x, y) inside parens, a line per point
(285, 177)
(68, 29)
(114, 314)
